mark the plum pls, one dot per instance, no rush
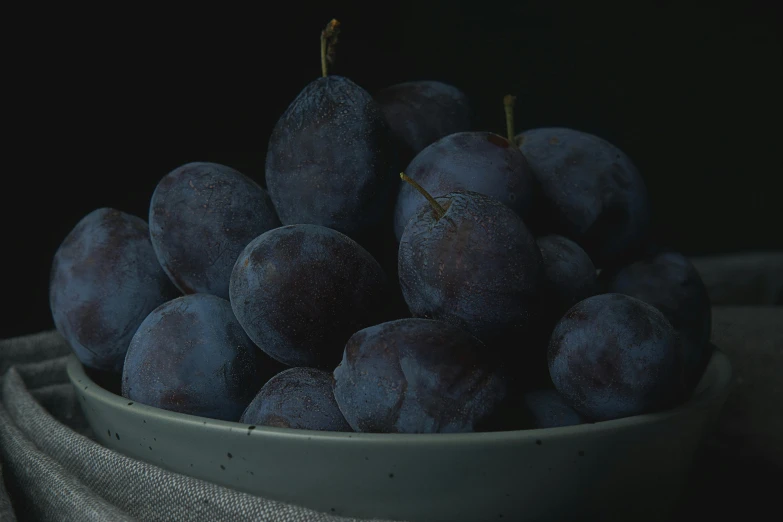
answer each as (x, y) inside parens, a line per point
(469, 260)
(569, 277)
(670, 282)
(104, 280)
(190, 355)
(301, 291)
(570, 274)
(547, 409)
(421, 112)
(330, 158)
(299, 398)
(614, 356)
(592, 192)
(481, 162)
(416, 376)
(201, 217)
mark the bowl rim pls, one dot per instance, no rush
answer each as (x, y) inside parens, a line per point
(713, 387)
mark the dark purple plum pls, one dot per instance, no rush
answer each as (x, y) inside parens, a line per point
(416, 376)
(299, 398)
(670, 282)
(570, 273)
(592, 192)
(614, 356)
(105, 279)
(481, 162)
(469, 260)
(569, 277)
(421, 112)
(330, 159)
(545, 408)
(301, 291)
(190, 355)
(202, 215)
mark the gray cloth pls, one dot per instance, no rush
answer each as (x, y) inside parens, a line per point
(752, 418)
(747, 279)
(53, 469)
(738, 473)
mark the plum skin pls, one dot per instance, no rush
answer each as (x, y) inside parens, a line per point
(481, 162)
(570, 275)
(593, 192)
(330, 160)
(421, 112)
(478, 267)
(614, 356)
(547, 409)
(416, 376)
(297, 398)
(201, 217)
(670, 282)
(104, 280)
(300, 291)
(190, 355)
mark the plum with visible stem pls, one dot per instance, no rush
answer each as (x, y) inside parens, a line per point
(330, 159)
(482, 162)
(469, 260)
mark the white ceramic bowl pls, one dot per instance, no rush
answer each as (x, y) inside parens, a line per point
(630, 469)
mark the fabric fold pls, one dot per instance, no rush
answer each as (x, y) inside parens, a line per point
(44, 489)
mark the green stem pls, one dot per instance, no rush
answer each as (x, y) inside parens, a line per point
(328, 42)
(508, 102)
(439, 210)
(324, 68)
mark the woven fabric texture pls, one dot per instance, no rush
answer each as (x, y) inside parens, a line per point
(54, 470)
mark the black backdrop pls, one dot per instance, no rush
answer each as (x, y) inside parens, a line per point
(103, 103)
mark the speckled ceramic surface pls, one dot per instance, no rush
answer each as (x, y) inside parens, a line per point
(628, 469)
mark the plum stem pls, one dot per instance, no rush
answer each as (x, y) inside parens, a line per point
(439, 210)
(508, 102)
(328, 43)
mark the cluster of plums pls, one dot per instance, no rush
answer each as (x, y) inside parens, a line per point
(503, 283)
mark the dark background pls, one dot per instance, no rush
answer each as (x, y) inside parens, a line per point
(105, 103)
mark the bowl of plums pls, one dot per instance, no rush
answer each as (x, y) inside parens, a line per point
(402, 317)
